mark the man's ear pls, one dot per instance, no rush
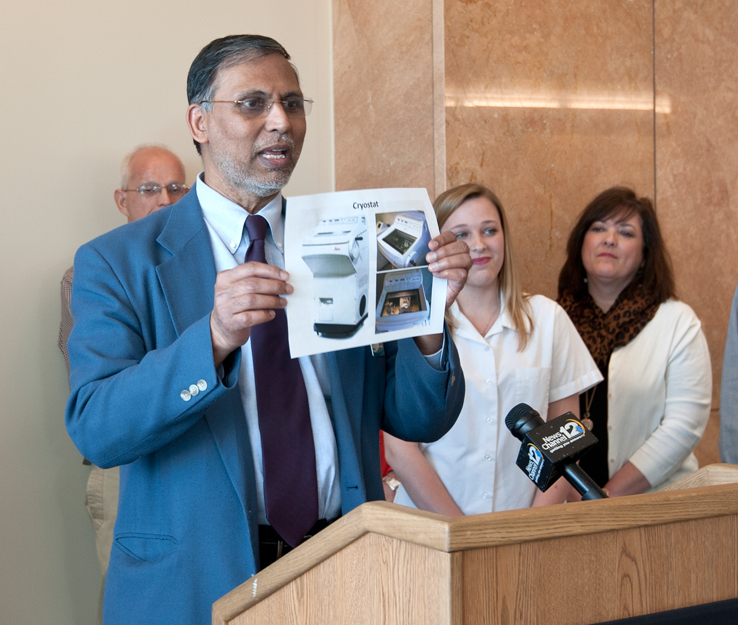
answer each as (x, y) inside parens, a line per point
(196, 123)
(120, 201)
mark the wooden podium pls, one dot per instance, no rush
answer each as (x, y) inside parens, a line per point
(577, 563)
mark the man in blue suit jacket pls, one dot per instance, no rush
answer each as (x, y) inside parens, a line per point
(160, 356)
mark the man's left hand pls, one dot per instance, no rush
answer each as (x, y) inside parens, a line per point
(449, 258)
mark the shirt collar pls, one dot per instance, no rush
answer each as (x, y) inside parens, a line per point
(465, 327)
(227, 218)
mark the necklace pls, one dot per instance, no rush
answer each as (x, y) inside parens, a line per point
(485, 327)
(492, 318)
(588, 399)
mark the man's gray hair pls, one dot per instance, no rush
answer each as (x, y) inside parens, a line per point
(227, 52)
(125, 166)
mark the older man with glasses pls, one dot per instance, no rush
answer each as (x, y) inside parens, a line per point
(152, 177)
(230, 451)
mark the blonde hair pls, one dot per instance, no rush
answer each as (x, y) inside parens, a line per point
(515, 300)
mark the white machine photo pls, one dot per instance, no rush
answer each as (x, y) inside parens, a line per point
(337, 254)
(405, 242)
(402, 303)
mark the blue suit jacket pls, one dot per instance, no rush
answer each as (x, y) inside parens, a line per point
(186, 532)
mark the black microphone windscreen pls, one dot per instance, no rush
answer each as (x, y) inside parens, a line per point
(521, 419)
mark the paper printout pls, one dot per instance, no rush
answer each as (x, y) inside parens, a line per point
(357, 262)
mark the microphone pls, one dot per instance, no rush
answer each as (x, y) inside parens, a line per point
(551, 449)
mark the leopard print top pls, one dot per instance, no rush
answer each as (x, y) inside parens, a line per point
(602, 331)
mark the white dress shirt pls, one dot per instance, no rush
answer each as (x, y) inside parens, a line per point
(476, 458)
(225, 221)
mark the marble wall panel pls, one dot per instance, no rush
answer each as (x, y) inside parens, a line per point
(549, 103)
(697, 156)
(388, 82)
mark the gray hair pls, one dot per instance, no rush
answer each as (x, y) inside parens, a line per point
(125, 166)
(227, 52)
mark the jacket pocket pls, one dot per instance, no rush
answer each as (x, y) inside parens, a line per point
(146, 547)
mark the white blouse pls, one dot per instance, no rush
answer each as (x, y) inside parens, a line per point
(476, 458)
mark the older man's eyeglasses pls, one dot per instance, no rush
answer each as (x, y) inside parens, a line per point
(259, 107)
(150, 190)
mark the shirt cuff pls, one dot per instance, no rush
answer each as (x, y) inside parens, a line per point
(436, 360)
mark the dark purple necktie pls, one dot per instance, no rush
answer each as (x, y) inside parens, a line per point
(287, 446)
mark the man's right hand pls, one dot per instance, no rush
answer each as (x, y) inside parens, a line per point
(244, 297)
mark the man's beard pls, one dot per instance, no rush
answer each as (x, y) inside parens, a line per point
(238, 176)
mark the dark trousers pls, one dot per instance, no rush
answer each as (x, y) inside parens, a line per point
(272, 546)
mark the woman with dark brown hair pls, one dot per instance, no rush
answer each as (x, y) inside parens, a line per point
(651, 410)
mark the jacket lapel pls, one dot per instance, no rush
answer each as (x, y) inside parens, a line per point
(188, 276)
(347, 397)
(187, 280)
(228, 424)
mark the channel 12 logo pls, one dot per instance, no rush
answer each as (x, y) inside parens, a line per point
(535, 462)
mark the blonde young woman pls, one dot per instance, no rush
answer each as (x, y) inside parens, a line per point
(513, 348)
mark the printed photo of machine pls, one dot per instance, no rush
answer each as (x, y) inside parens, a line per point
(402, 238)
(337, 254)
(402, 303)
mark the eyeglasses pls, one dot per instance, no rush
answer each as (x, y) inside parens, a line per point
(150, 190)
(292, 106)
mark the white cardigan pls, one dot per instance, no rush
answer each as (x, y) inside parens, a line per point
(659, 396)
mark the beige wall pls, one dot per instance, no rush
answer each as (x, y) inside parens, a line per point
(550, 103)
(83, 83)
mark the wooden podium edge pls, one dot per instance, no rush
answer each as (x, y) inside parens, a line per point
(378, 517)
(695, 500)
(711, 475)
